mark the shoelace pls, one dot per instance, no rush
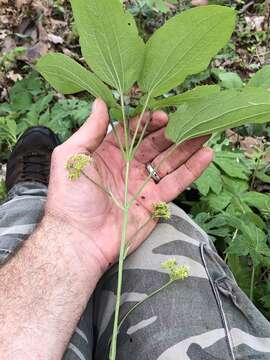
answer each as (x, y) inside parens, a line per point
(37, 164)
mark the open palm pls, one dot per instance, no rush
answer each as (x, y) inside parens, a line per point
(90, 209)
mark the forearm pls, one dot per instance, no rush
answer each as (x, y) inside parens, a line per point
(43, 292)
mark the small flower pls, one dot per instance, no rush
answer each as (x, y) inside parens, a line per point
(161, 210)
(176, 272)
(180, 272)
(169, 264)
(76, 164)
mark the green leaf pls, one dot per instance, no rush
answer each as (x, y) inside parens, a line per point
(216, 226)
(241, 271)
(231, 165)
(69, 77)
(219, 202)
(184, 46)
(263, 177)
(194, 94)
(20, 97)
(210, 179)
(255, 219)
(234, 184)
(227, 109)
(257, 200)
(261, 78)
(12, 127)
(230, 80)
(41, 105)
(3, 190)
(266, 301)
(110, 42)
(252, 242)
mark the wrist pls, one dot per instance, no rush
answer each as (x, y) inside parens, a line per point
(79, 252)
(46, 288)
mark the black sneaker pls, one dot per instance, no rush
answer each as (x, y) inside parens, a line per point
(31, 158)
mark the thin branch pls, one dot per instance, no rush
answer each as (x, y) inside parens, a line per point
(142, 301)
(140, 138)
(117, 138)
(139, 123)
(125, 123)
(107, 192)
(150, 175)
(129, 242)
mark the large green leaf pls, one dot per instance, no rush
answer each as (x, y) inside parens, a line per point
(252, 242)
(69, 77)
(227, 109)
(261, 78)
(260, 201)
(194, 94)
(210, 180)
(230, 80)
(230, 163)
(184, 46)
(110, 42)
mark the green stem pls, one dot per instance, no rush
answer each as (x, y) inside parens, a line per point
(142, 301)
(107, 192)
(117, 138)
(120, 267)
(150, 177)
(126, 134)
(128, 152)
(139, 124)
(140, 138)
(251, 292)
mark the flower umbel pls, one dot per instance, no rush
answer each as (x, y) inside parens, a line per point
(176, 272)
(161, 210)
(169, 264)
(76, 164)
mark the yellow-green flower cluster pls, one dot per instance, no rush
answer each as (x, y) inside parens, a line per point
(76, 164)
(176, 272)
(161, 210)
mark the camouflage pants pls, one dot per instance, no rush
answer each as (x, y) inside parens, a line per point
(204, 317)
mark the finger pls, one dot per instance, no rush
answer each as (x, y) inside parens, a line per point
(155, 121)
(177, 157)
(93, 131)
(176, 182)
(152, 146)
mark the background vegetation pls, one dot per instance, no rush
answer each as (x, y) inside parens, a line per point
(231, 200)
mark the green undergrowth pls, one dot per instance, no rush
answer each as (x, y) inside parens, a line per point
(32, 103)
(231, 202)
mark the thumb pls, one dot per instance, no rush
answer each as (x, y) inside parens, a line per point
(93, 131)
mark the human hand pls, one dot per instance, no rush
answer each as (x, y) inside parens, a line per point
(83, 205)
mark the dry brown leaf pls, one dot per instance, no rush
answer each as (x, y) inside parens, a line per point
(255, 22)
(20, 3)
(13, 76)
(55, 39)
(249, 144)
(267, 157)
(199, 2)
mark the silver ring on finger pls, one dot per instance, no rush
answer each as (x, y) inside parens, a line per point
(153, 173)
